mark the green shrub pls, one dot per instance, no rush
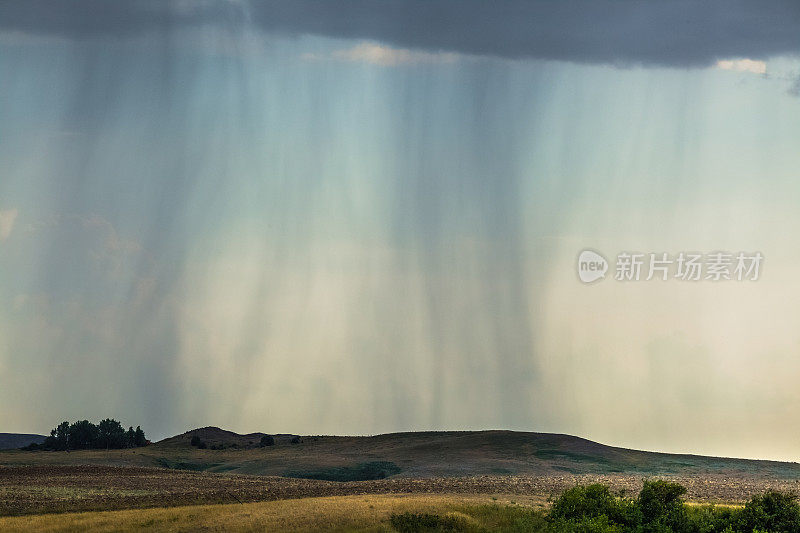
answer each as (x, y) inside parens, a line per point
(267, 440)
(771, 511)
(660, 506)
(426, 522)
(710, 519)
(586, 501)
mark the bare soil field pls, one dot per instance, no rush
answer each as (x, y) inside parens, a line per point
(40, 489)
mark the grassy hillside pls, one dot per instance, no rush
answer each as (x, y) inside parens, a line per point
(421, 454)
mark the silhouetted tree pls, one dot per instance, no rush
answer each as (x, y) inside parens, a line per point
(82, 434)
(110, 434)
(139, 438)
(130, 438)
(61, 436)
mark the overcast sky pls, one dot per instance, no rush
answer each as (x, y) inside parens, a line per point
(363, 217)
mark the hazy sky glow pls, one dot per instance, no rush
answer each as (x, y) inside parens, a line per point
(233, 214)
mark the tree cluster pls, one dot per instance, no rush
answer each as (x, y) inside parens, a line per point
(83, 435)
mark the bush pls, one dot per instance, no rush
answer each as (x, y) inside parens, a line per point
(419, 522)
(589, 501)
(195, 441)
(771, 511)
(267, 440)
(710, 519)
(592, 508)
(660, 506)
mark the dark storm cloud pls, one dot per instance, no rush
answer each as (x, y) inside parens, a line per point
(683, 33)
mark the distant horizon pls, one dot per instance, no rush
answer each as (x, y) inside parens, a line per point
(620, 446)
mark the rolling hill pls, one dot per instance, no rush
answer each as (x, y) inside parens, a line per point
(18, 440)
(417, 454)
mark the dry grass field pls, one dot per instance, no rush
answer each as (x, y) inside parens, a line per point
(332, 513)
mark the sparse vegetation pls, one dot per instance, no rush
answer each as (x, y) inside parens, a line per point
(409, 522)
(361, 472)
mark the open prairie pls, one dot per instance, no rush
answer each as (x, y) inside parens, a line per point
(528, 468)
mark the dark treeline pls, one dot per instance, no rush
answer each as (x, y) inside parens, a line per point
(83, 435)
